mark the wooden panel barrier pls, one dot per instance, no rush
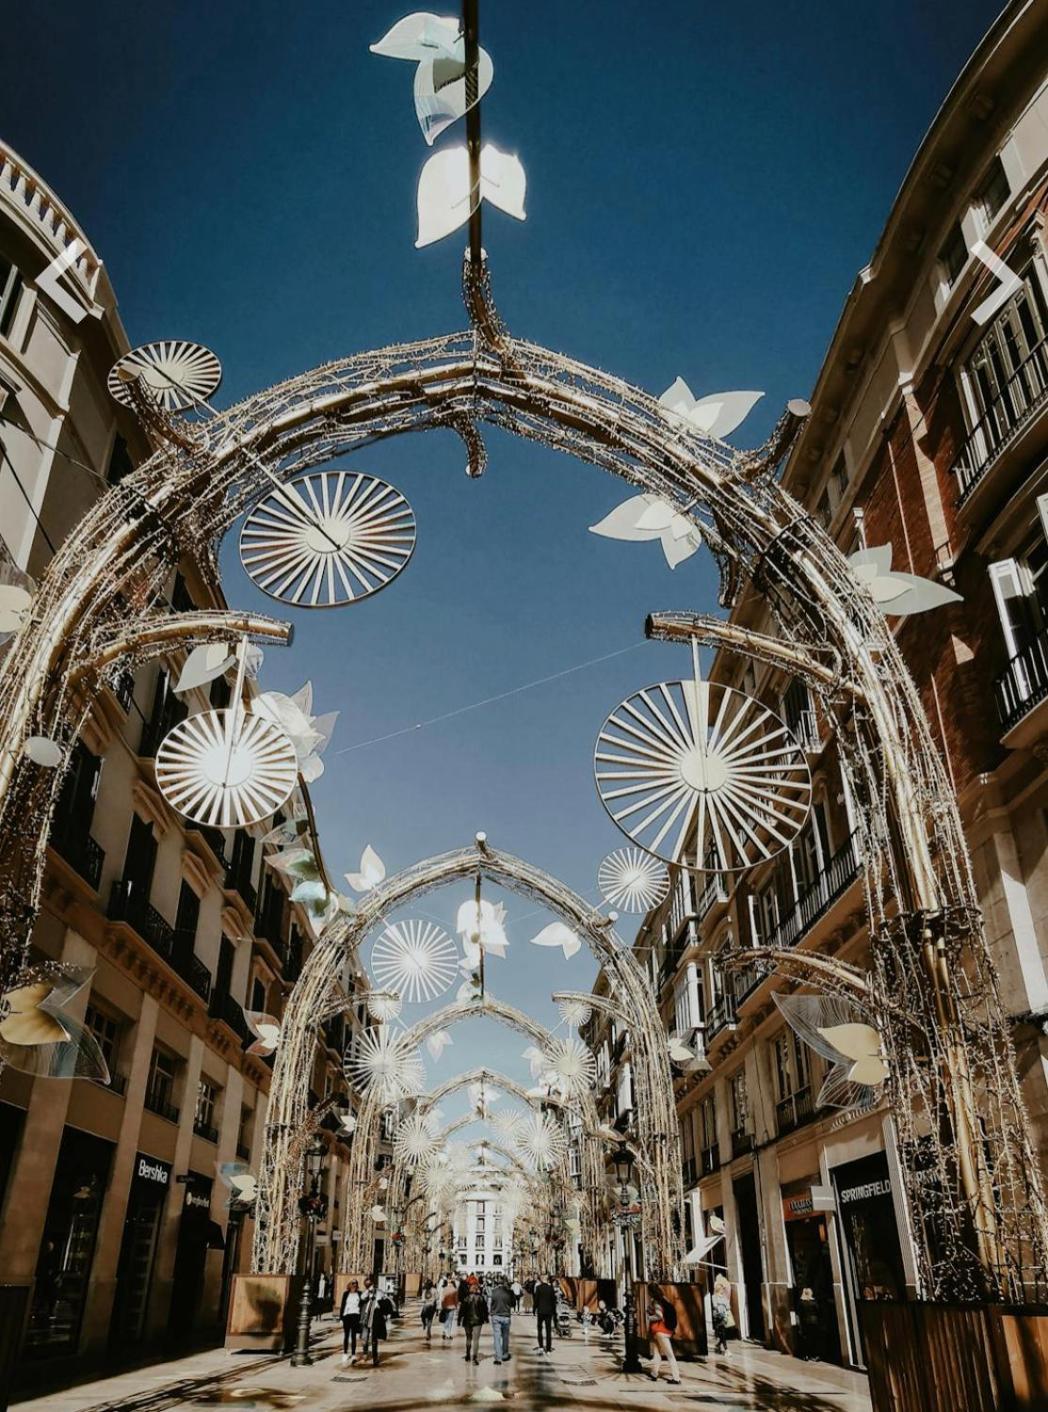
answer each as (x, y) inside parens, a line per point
(689, 1301)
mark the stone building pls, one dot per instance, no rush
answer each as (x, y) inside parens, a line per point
(113, 1214)
(929, 433)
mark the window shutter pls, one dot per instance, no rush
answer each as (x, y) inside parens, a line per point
(1006, 579)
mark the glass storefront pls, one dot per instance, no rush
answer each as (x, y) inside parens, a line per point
(196, 1236)
(150, 1182)
(68, 1245)
(813, 1307)
(871, 1257)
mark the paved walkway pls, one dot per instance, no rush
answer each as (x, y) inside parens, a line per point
(579, 1373)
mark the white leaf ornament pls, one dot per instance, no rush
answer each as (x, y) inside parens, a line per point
(558, 934)
(645, 517)
(441, 91)
(16, 603)
(897, 594)
(372, 871)
(417, 37)
(444, 190)
(43, 751)
(717, 414)
(205, 664)
(267, 1032)
(39, 1037)
(437, 1043)
(482, 925)
(348, 1123)
(242, 1182)
(839, 1031)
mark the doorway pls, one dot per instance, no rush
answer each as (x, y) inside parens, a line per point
(747, 1223)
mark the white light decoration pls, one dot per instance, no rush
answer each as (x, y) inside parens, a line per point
(574, 1012)
(841, 1033)
(481, 925)
(327, 538)
(437, 1043)
(226, 769)
(645, 517)
(204, 664)
(173, 374)
(444, 190)
(293, 715)
(717, 414)
(416, 1139)
(418, 959)
(43, 751)
(241, 1180)
(387, 1064)
(38, 1035)
(436, 45)
(897, 594)
(267, 1032)
(541, 1140)
(383, 1005)
(16, 606)
(559, 934)
(572, 1064)
(372, 871)
(632, 880)
(699, 774)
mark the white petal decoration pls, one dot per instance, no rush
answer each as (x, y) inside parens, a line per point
(444, 191)
(372, 871)
(242, 1182)
(535, 1059)
(482, 1096)
(383, 1005)
(572, 1064)
(717, 414)
(417, 36)
(283, 835)
(348, 1122)
(417, 959)
(645, 517)
(840, 1032)
(437, 1043)
(482, 926)
(267, 1030)
(204, 664)
(16, 604)
(37, 1034)
(633, 880)
(697, 1254)
(558, 934)
(293, 862)
(899, 595)
(386, 1063)
(378, 1215)
(574, 1012)
(42, 750)
(440, 89)
(309, 890)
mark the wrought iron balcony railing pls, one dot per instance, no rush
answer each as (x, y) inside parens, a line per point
(238, 879)
(1018, 402)
(1024, 682)
(223, 1007)
(814, 901)
(721, 1015)
(710, 1157)
(156, 1101)
(206, 1131)
(81, 852)
(130, 906)
(793, 1110)
(741, 1142)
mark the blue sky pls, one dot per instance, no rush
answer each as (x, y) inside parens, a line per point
(704, 181)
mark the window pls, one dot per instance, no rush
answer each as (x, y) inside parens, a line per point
(839, 478)
(258, 995)
(204, 1113)
(10, 294)
(160, 1088)
(244, 1132)
(954, 254)
(106, 1031)
(187, 917)
(823, 511)
(738, 1099)
(783, 1066)
(993, 193)
(708, 1122)
(119, 461)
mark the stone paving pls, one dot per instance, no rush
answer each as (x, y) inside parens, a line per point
(579, 1373)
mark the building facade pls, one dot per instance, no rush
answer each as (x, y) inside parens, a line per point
(114, 1216)
(928, 433)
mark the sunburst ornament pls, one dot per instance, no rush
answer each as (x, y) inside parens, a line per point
(383, 1005)
(701, 775)
(173, 374)
(632, 880)
(225, 769)
(327, 538)
(575, 1012)
(417, 959)
(387, 1064)
(416, 1139)
(541, 1140)
(572, 1065)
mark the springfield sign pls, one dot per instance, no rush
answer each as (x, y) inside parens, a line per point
(866, 1191)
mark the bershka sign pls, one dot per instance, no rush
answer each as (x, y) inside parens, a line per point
(151, 1169)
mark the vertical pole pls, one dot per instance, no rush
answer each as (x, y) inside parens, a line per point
(470, 29)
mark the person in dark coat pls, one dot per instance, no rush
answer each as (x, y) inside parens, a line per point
(544, 1297)
(380, 1309)
(473, 1315)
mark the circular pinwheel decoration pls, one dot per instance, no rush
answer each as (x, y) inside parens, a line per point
(541, 1140)
(701, 775)
(386, 1063)
(416, 1140)
(175, 375)
(574, 1012)
(417, 959)
(632, 880)
(226, 769)
(572, 1065)
(327, 538)
(384, 1005)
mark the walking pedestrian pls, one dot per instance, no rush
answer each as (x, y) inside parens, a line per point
(501, 1305)
(723, 1319)
(429, 1308)
(517, 1290)
(448, 1310)
(662, 1325)
(349, 1313)
(378, 1315)
(544, 1297)
(367, 1304)
(473, 1315)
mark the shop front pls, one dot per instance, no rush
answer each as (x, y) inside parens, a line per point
(748, 1226)
(67, 1249)
(197, 1235)
(150, 1184)
(814, 1312)
(871, 1256)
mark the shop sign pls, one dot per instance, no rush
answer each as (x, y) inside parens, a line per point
(798, 1207)
(151, 1169)
(866, 1191)
(197, 1200)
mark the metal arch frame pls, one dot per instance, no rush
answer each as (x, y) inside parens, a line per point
(928, 947)
(364, 1152)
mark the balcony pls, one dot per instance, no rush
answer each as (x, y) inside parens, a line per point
(711, 894)
(741, 1142)
(206, 1131)
(816, 899)
(721, 1016)
(156, 1100)
(214, 840)
(1022, 685)
(1014, 408)
(81, 852)
(688, 1172)
(238, 880)
(745, 981)
(126, 904)
(225, 1008)
(710, 1158)
(188, 965)
(793, 1110)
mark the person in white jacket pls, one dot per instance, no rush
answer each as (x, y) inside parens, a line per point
(349, 1313)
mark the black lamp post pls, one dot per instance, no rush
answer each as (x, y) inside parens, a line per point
(313, 1207)
(626, 1219)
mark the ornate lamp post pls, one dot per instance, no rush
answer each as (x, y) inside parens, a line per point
(313, 1207)
(626, 1218)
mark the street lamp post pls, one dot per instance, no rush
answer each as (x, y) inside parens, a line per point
(626, 1219)
(313, 1207)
